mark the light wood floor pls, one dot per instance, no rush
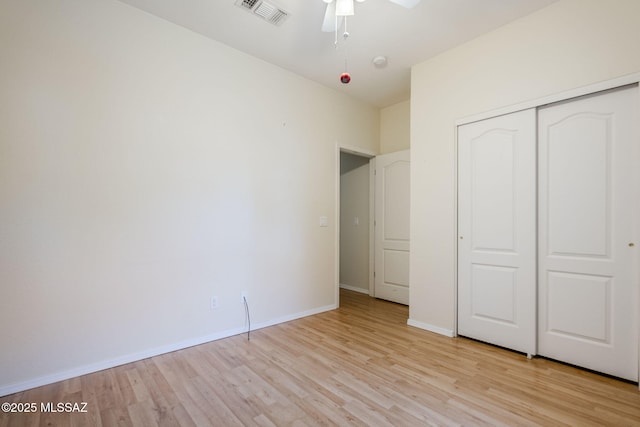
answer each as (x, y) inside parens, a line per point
(359, 365)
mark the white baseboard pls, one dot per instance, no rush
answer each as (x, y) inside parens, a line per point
(291, 317)
(427, 327)
(123, 360)
(355, 289)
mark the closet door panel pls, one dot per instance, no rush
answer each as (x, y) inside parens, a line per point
(497, 231)
(588, 288)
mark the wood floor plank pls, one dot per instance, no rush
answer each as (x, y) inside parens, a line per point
(359, 365)
(202, 394)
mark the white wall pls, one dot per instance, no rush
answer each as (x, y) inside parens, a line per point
(395, 128)
(354, 237)
(144, 169)
(569, 44)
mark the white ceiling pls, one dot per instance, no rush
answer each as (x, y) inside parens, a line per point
(379, 27)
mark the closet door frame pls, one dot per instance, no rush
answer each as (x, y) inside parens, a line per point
(536, 103)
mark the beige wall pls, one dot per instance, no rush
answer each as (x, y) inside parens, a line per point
(394, 127)
(145, 169)
(569, 44)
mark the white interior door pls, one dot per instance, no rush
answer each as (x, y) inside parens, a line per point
(588, 277)
(392, 227)
(497, 231)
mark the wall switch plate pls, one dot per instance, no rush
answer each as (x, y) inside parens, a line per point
(214, 303)
(324, 221)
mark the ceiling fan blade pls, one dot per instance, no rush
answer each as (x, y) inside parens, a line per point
(409, 4)
(329, 22)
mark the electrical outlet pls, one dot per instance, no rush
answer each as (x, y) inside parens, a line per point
(214, 303)
(244, 295)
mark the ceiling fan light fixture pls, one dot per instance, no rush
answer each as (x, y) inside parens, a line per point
(344, 8)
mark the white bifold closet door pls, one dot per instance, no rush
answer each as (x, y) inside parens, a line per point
(588, 279)
(497, 231)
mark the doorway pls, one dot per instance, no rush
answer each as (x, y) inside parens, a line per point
(355, 218)
(373, 258)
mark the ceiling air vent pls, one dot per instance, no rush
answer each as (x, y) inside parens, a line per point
(265, 10)
(247, 4)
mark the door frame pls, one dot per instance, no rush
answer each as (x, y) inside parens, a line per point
(594, 88)
(361, 152)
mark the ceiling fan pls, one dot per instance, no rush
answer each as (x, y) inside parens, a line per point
(338, 9)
